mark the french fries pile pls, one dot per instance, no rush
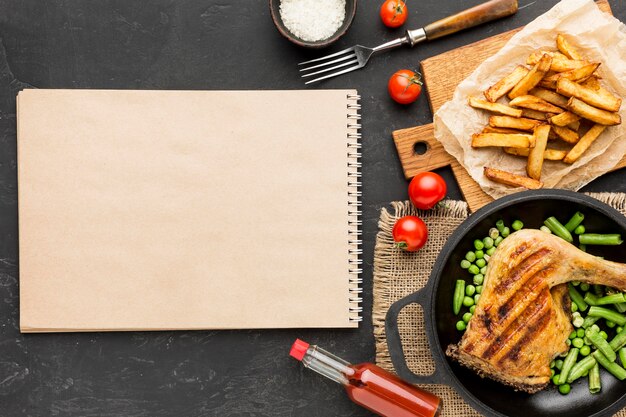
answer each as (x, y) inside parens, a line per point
(559, 99)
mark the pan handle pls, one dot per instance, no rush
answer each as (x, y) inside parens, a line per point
(394, 341)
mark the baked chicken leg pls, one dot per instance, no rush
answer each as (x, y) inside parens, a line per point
(522, 319)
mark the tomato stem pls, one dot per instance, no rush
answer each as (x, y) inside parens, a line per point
(401, 245)
(399, 9)
(416, 79)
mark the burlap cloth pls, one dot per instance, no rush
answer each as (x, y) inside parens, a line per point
(397, 274)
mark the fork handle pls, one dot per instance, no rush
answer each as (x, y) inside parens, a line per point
(485, 12)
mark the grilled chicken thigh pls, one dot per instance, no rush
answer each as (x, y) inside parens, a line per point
(522, 319)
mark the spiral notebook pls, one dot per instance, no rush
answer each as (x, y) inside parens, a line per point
(167, 210)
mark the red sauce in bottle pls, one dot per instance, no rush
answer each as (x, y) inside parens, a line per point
(368, 385)
(384, 393)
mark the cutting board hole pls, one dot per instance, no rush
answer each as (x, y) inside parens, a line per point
(420, 148)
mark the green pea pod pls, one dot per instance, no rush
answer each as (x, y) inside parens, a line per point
(594, 379)
(617, 371)
(558, 229)
(580, 369)
(576, 219)
(601, 344)
(577, 298)
(459, 294)
(568, 364)
(611, 299)
(622, 356)
(598, 239)
(618, 341)
(607, 314)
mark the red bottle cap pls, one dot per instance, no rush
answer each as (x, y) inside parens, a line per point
(298, 349)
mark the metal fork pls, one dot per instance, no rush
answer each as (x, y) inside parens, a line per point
(356, 57)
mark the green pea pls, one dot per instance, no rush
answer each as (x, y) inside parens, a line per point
(494, 233)
(460, 325)
(472, 309)
(480, 263)
(505, 232)
(555, 379)
(580, 332)
(572, 335)
(584, 286)
(473, 269)
(467, 317)
(559, 364)
(585, 350)
(619, 329)
(488, 242)
(580, 229)
(478, 279)
(604, 335)
(483, 270)
(465, 264)
(498, 240)
(468, 301)
(574, 307)
(478, 244)
(490, 251)
(568, 342)
(578, 343)
(470, 256)
(476, 298)
(552, 373)
(564, 389)
(479, 254)
(552, 364)
(517, 225)
(479, 289)
(610, 324)
(470, 290)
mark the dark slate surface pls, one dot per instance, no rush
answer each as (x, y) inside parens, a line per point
(196, 45)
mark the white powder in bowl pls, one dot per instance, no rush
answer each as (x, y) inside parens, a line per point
(313, 20)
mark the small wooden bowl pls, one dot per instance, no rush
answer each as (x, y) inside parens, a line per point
(350, 12)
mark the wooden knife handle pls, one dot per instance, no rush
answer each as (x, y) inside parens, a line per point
(485, 12)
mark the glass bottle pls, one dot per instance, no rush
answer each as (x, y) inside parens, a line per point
(369, 385)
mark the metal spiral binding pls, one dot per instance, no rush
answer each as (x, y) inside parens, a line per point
(354, 203)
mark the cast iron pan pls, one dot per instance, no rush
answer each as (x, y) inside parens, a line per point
(486, 396)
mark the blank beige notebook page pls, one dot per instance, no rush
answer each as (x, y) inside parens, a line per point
(155, 210)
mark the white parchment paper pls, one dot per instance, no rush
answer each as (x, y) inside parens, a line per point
(600, 38)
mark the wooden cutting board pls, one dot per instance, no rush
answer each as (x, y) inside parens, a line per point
(442, 74)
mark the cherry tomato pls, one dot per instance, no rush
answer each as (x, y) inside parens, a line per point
(405, 86)
(410, 233)
(393, 13)
(427, 189)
